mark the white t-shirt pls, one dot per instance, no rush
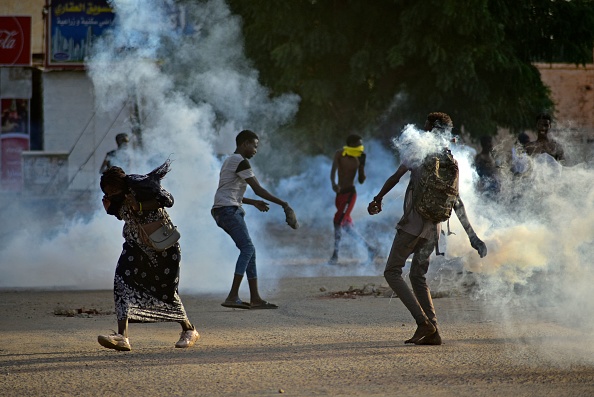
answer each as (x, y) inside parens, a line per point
(232, 185)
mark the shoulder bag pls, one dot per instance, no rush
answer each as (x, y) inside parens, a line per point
(163, 237)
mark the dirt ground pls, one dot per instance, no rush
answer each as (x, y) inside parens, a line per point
(313, 345)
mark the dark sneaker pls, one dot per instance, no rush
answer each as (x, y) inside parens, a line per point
(434, 339)
(114, 341)
(423, 330)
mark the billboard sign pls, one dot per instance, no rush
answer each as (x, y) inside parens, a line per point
(14, 139)
(15, 41)
(72, 27)
(11, 148)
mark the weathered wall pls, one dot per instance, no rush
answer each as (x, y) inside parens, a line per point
(72, 124)
(572, 89)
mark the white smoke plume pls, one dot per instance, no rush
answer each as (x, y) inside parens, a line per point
(195, 90)
(192, 91)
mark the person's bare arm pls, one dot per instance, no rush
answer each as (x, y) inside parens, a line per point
(290, 216)
(361, 171)
(335, 185)
(265, 194)
(392, 181)
(375, 206)
(475, 242)
(259, 204)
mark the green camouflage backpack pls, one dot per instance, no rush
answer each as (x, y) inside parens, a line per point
(437, 191)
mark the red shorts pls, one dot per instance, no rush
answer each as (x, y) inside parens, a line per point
(345, 202)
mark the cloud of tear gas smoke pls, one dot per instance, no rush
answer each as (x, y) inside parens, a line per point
(538, 230)
(309, 192)
(193, 121)
(194, 90)
(193, 93)
(414, 145)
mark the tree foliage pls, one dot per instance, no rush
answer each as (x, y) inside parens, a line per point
(373, 66)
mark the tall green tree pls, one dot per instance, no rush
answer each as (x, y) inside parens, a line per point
(376, 65)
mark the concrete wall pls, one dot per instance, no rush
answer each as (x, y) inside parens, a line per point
(572, 89)
(72, 124)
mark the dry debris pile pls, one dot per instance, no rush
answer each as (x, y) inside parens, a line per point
(81, 312)
(353, 292)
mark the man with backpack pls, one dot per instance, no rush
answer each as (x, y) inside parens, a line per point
(431, 195)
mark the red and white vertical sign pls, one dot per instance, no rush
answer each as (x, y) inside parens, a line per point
(14, 139)
(15, 41)
(12, 147)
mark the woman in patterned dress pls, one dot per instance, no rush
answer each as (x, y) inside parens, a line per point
(146, 280)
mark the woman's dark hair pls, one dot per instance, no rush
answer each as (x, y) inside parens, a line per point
(440, 120)
(245, 135)
(113, 176)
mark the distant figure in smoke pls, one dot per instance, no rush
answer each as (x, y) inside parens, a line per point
(236, 173)
(487, 168)
(119, 157)
(348, 161)
(146, 281)
(520, 160)
(543, 144)
(419, 236)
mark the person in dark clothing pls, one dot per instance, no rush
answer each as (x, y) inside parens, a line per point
(487, 169)
(119, 157)
(418, 236)
(146, 281)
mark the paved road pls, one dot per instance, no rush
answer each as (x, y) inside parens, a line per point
(312, 346)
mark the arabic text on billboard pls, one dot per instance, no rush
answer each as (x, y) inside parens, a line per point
(72, 28)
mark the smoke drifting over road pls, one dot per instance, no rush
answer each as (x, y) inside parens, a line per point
(194, 90)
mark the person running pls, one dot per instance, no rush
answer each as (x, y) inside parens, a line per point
(146, 280)
(348, 163)
(236, 174)
(418, 235)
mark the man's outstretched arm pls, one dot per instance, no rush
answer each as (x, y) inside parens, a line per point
(375, 207)
(290, 216)
(265, 194)
(475, 242)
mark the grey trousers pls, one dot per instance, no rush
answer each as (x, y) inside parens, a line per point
(419, 303)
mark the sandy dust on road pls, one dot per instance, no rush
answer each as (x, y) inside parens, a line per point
(311, 346)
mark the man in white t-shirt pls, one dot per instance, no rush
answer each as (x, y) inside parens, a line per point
(236, 174)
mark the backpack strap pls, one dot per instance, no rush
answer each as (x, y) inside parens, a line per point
(436, 236)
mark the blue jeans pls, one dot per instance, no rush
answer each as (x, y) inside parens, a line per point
(230, 219)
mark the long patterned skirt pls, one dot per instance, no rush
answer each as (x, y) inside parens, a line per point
(145, 285)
